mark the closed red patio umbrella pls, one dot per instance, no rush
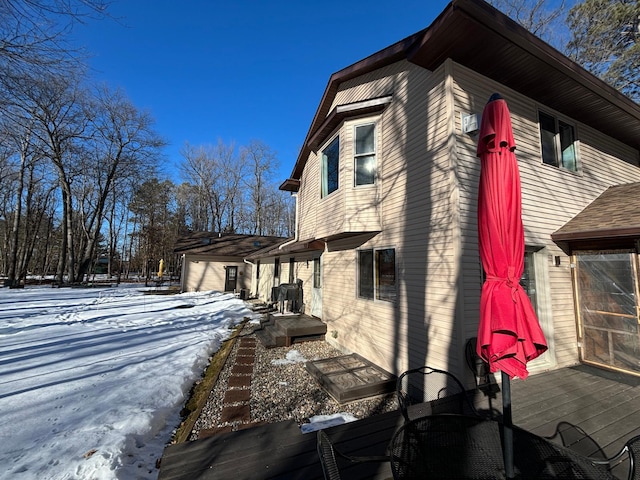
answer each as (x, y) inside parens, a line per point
(509, 334)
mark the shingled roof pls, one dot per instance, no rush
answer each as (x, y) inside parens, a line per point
(227, 245)
(611, 221)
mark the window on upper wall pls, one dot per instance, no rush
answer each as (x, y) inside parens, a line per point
(365, 154)
(377, 274)
(330, 167)
(558, 142)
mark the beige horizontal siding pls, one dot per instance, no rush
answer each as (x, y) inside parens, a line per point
(550, 196)
(416, 221)
(204, 272)
(424, 203)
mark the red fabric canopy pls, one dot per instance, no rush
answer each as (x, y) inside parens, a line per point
(509, 334)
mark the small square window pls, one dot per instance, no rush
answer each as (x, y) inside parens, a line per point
(558, 142)
(377, 274)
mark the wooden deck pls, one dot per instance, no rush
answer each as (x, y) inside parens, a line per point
(605, 405)
(282, 330)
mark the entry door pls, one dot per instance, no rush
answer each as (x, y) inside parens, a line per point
(316, 291)
(230, 278)
(607, 288)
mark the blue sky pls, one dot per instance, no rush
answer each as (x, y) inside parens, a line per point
(239, 70)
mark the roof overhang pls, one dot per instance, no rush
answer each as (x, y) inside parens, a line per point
(611, 221)
(302, 247)
(476, 35)
(340, 113)
(288, 247)
(290, 185)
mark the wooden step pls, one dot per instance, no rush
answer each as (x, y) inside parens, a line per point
(283, 331)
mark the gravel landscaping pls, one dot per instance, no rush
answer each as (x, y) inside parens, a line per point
(282, 389)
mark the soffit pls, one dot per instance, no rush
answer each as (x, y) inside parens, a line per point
(476, 35)
(481, 38)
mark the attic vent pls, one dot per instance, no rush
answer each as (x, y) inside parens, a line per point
(256, 244)
(206, 241)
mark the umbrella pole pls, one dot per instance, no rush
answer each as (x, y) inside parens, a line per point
(507, 423)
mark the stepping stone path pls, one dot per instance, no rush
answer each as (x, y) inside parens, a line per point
(236, 403)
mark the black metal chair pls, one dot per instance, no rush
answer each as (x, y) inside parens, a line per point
(476, 364)
(575, 438)
(428, 391)
(485, 381)
(446, 447)
(631, 453)
(329, 455)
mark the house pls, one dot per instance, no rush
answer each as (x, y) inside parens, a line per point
(289, 262)
(212, 261)
(386, 191)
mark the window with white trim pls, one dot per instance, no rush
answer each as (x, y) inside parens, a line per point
(365, 154)
(558, 142)
(330, 167)
(377, 274)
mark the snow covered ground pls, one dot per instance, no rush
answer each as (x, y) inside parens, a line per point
(92, 380)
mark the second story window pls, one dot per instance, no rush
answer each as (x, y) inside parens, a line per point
(330, 167)
(365, 154)
(558, 142)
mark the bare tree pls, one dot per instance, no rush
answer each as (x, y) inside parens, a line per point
(120, 143)
(543, 18)
(200, 169)
(261, 164)
(60, 116)
(50, 108)
(152, 208)
(33, 32)
(21, 137)
(215, 173)
(606, 41)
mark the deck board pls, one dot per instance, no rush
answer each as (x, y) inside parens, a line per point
(606, 406)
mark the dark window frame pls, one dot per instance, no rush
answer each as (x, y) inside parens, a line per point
(558, 142)
(377, 274)
(330, 175)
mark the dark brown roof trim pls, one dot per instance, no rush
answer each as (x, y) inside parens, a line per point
(629, 232)
(288, 247)
(476, 35)
(290, 185)
(391, 54)
(342, 112)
